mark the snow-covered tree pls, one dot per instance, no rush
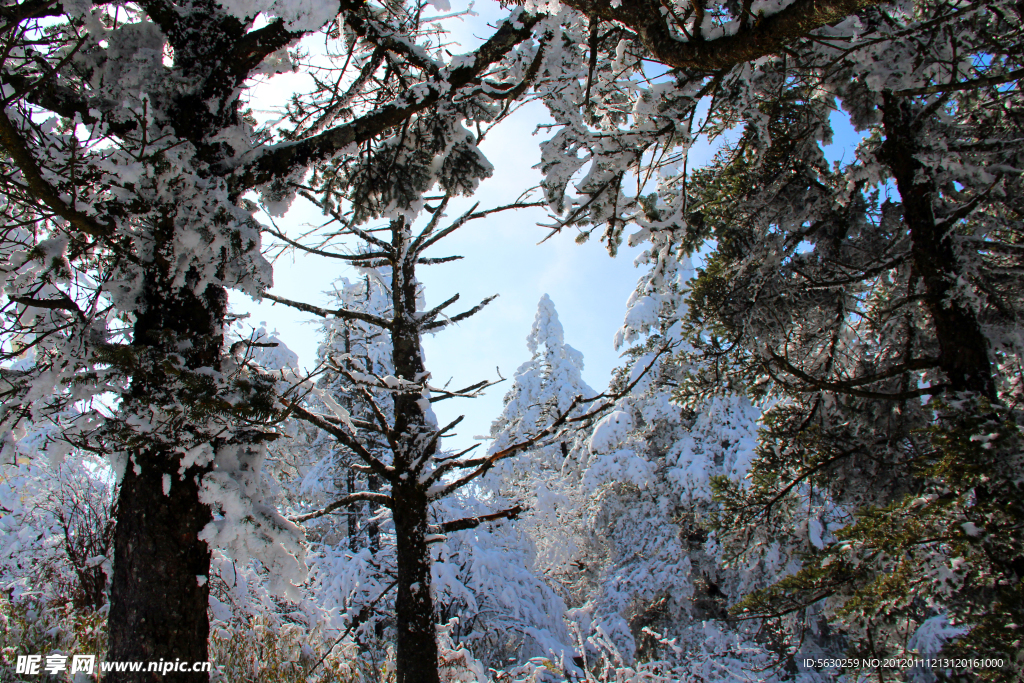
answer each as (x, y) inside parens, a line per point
(127, 152)
(388, 428)
(889, 333)
(542, 478)
(876, 306)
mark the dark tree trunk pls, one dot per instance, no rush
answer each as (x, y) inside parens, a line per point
(159, 593)
(963, 347)
(416, 643)
(353, 522)
(157, 607)
(372, 527)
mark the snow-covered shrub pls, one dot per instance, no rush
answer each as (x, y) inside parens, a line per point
(56, 531)
(55, 542)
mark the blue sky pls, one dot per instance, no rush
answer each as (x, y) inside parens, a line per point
(502, 257)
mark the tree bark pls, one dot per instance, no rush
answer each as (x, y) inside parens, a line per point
(963, 347)
(416, 643)
(160, 593)
(157, 605)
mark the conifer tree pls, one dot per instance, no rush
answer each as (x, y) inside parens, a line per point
(128, 152)
(876, 304)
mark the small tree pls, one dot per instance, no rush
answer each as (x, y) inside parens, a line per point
(541, 479)
(395, 409)
(413, 470)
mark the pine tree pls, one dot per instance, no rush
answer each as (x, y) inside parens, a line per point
(128, 150)
(875, 305)
(886, 326)
(880, 329)
(392, 432)
(662, 569)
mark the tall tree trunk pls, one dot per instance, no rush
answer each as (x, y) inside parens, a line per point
(159, 593)
(963, 347)
(416, 646)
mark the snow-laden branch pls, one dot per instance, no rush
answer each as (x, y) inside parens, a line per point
(279, 160)
(473, 522)
(12, 142)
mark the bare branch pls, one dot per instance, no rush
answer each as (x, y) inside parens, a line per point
(327, 313)
(461, 316)
(361, 234)
(320, 252)
(346, 439)
(473, 522)
(372, 496)
(814, 384)
(472, 391)
(427, 316)
(484, 464)
(432, 444)
(65, 304)
(471, 215)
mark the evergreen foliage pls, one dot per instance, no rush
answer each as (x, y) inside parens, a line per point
(869, 309)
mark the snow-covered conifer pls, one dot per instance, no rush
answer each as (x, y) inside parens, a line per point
(128, 148)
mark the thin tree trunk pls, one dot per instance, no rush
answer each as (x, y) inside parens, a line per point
(372, 527)
(353, 522)
(416, 643)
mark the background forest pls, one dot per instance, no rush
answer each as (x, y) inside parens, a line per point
(806, 465)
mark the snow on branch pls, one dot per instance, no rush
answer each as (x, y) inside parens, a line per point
(274, 162)
(343, 436)
(473, 522)
(461, 316)
(13, 143)
(482, 465)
